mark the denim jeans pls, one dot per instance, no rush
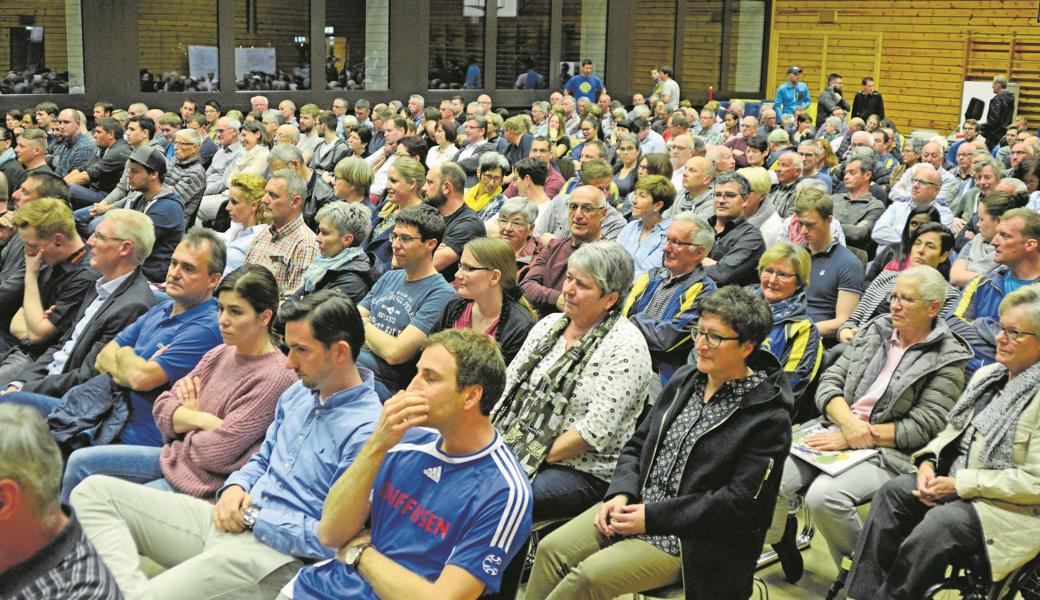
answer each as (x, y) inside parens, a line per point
(44, 404)
(139, 464)
(562, 492)
(85, 224)
(84, 197)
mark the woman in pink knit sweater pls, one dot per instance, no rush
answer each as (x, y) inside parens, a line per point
(214, 418)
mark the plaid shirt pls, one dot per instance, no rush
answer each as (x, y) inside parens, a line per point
(75, 155)
(67, 567)
(286, 252)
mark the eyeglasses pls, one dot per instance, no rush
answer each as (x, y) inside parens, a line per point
(583, 208)
(674, 242)
(180, 143)
(769, 273)
(490, 177)
(106, 238)
(726, 195)
(713, 340)
(403, 238)
(923, 182)
(904, 300)
(464, 268)
(505, 222)
(677, 147)
(1013, 334)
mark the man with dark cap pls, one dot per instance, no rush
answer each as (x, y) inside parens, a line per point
(161, 203)
(792, 95)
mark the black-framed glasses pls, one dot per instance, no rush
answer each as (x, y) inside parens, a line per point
(465, 268)
(726, 195)
(713, 340)
(1013, 334)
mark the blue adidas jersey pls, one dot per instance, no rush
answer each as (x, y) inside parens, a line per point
(430, 510)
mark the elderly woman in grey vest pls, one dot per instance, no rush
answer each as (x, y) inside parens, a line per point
(890, 390)
(977, 489)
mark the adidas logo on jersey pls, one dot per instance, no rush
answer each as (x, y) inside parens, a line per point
(433, 473)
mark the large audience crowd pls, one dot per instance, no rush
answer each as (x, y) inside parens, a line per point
(357, 351)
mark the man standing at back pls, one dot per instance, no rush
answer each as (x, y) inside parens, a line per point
(792, 95)
(585, 84)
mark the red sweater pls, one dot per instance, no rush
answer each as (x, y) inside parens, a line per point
(241, 390)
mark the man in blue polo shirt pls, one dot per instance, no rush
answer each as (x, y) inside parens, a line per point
(166, 342)
(837, 275)
(449, 505)
(585, 85)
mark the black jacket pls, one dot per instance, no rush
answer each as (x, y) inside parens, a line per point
(129, 301)
(998, 117)
(864, 105)
(729, 483)
(513, 326)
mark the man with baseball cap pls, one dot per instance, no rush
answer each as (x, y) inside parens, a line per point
(162, 204)
(792, 95)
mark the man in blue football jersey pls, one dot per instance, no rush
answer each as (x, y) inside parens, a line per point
(449, 503)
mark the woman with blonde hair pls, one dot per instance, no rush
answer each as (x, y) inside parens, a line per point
(404, 181)
(248, 217)
(489, 296)
(353, 178)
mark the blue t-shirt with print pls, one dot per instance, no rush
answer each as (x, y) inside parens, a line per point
(393, 304)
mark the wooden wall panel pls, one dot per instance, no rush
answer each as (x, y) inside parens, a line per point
(167, 27)
(922, 53)
(702, 48)
(655, 42)
(49, 14)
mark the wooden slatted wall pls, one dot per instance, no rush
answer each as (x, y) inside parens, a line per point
(49, 14)
(525, 37)
(655, 39)
(167, 27)
(922, 60)
(702, 48)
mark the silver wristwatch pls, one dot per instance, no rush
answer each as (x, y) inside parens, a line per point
(249, 516)
(353, 554)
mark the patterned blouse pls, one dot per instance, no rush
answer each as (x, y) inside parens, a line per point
(608, 396)
(696, 419)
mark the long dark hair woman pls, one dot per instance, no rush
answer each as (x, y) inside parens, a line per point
(214, 418)
(897, 256)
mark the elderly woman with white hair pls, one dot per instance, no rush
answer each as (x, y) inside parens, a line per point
(516, 221)
(759, 209)
(577, 385)
(976, 489)
(890, 390)
(343, 230)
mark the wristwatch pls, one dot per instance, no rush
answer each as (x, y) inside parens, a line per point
(353, 555)
(249, 516)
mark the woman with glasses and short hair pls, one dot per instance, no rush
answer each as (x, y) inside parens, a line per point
(486, 197)
(975, 492)
(694, 487)
(890, 390)
(577, 385)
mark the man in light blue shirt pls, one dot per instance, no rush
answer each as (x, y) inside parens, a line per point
(792, 95)
(263, 528)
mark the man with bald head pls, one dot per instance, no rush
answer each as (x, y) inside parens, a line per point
(543, 284)
(931, 154)
(695, 192)
(76, 150)
(738, 143)
(788, 174)
(924, 192)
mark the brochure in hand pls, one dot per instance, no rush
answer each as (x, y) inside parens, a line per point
(830, 462)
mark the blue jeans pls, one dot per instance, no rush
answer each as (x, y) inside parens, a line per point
(44, 404)
(562, 492)
(84, 197)
(85, 224)
(132, 463)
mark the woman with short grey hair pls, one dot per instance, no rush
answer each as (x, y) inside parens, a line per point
(577, 385)
(516, 221)
(343, 231)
